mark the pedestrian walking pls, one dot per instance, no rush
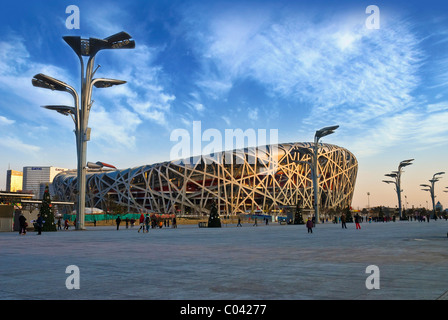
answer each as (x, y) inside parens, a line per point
(39, 223)
(22, 225)
(255, 223)
(141, 222)
(117, 221)
(127, 222)
(358, 226)
(66, 225)
(147, 222)
(239, 222)
(60, 223)
(343, 221)
(174, 222)
(309, 225)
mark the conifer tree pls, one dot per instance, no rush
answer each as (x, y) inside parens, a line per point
(298, 219)
(46, 212)
(348, 215)
(214, 220)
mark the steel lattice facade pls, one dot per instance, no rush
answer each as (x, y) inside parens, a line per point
(238, 181)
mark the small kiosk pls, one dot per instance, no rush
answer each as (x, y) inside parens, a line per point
(6, 218)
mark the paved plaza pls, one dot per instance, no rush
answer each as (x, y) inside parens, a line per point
(274, 262)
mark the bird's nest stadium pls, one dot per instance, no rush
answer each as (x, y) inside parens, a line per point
(238, 181)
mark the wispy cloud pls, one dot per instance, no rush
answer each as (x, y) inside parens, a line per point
(336, 69)
(17, 145)
(5, 121)
(144, 92)
(17, 68)
(253, 114)
(112, 128)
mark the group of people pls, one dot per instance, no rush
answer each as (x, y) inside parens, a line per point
(39, 223)
(311, 222)
(266, 221)
(66, 223)
(145, 222)
(23, 225)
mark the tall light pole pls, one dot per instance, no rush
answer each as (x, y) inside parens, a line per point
(396, 175)
(430, 188)
(80, 113)
(317, 136)
(445, 191)
(368, 200)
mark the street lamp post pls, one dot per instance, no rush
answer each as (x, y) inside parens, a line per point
(431, 189)
(317, 136)
(80, 114)
(396, 175)
(445, 191)
(314, 164)
(368, 200)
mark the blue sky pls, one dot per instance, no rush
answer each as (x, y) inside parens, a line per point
(285, 65)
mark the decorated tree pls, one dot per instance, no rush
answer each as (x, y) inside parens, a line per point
(214, 221)
(46, 212)
(348, 214)
(298, 219)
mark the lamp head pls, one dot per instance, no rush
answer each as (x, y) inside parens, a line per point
(65, 110)
(325, 131)
(106, 83)
(90, 47)
(407, 161)
(43, 81)
(404, 164)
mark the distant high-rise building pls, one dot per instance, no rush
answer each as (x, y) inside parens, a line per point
(36, 177)
(14, 180)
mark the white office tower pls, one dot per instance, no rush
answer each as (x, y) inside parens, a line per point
(36, 177)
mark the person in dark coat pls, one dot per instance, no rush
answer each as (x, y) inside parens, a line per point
(22, 224)
(357, 218)
(309, 225)
(39, 224)
(118, 220)
(343, 221)
(147, 223)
